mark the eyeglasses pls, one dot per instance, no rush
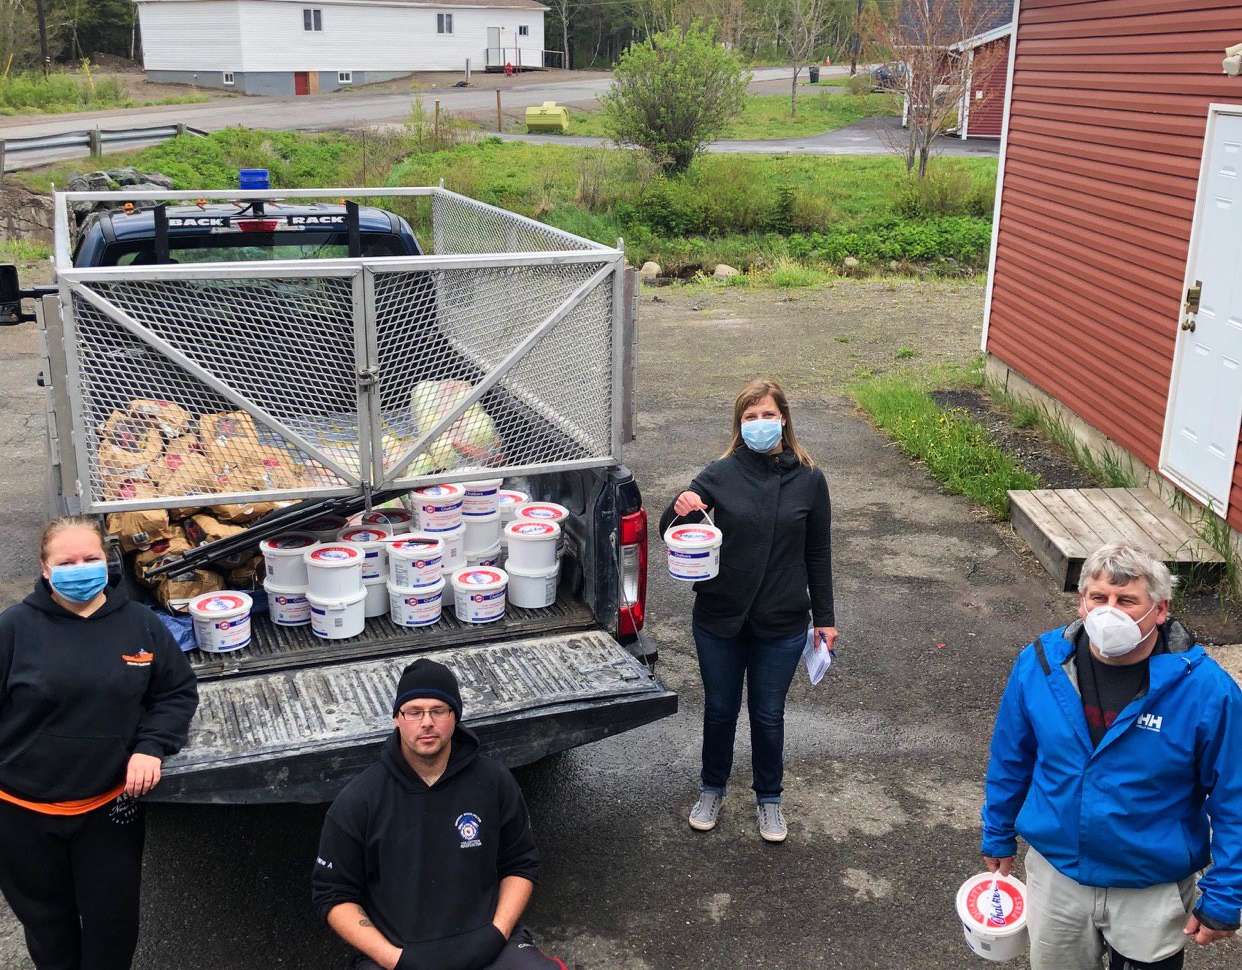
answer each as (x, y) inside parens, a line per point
(417, 714)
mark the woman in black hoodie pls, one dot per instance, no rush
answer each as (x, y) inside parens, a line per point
(94, 692)
(750, 621)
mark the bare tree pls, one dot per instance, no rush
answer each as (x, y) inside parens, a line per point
(801, 29)
(856, 39)
(932, 65)
(563, 13)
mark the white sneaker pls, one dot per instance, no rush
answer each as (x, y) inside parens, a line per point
(706, 811)
(771, 822)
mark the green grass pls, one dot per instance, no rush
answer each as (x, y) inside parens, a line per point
(30, 93)
(766, 116)
(959, 452)
(784, 219)
(23, 251)
(1106, 466)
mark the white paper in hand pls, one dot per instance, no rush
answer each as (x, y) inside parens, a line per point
(816, 657)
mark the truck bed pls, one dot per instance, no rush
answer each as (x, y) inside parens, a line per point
(275, 647)
(299, 735)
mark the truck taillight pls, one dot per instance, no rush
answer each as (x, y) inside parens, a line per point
(633, 561)
(257, 225)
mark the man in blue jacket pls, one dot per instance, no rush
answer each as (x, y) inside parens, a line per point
(1117, 755)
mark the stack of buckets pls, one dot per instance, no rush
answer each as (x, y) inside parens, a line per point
(415, 578)
(314, 582)
(535, 540)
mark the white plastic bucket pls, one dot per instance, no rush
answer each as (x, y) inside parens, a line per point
(479, 594)
(532, 545)
(439, 506)
(370, 539)
(454, 540)
(507, 500)
(391, 521)
(993, 912)
(481, 497)
(221, 621)
(287, 605)
(482, 532)
(334, 570)
(533, 589)
(376, 603)
(545, 512)
(326, 527)
(693, 552)
(416, 605)
(415, 560)
(488, 557)
(283, 556)
(338, 617)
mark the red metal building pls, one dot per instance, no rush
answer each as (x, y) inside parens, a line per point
(983, 110)
(1116, 273)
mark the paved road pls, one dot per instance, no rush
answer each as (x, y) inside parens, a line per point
(884, 757)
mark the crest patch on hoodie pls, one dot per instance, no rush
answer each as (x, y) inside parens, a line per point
(468, 826)
(139, 659)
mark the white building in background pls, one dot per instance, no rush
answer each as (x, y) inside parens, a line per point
(288, 47)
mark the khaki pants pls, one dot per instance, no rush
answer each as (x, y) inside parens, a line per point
(1072, 925)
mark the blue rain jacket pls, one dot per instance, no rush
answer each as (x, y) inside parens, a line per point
(1159, 799)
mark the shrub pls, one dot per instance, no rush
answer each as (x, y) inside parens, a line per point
(673, 93)
(859, 84)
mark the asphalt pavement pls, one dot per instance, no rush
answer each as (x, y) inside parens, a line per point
(884, 758)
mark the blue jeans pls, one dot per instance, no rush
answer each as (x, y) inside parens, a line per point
(767, 666)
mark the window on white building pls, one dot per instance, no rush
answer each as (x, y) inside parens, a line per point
(312, 19)
(523, 30)
(228, 77)
(344, 77)
(444, 23)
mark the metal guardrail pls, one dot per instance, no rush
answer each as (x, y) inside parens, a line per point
(93, 139)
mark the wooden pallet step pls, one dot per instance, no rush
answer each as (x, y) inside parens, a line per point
(1065, 525)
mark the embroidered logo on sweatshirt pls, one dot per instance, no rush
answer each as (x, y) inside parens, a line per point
(468, 828)
(139, 659)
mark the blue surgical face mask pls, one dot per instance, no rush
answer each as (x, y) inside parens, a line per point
(762, 434)
(80, 582)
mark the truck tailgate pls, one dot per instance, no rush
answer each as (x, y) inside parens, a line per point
(299, 735)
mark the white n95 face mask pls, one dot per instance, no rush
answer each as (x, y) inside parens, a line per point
(1114, 632)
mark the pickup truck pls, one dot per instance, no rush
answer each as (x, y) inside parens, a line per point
(316, 321)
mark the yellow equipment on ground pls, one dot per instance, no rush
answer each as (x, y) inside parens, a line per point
(549, 118)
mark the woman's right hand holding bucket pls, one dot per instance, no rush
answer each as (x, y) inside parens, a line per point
(688, 502)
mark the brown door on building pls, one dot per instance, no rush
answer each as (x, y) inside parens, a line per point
(301, 82)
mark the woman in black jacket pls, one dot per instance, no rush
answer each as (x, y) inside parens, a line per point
(750, 622)
(94, 692)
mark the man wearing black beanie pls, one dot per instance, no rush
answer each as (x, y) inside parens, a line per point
(447, 829)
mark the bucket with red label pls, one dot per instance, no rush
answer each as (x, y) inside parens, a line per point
(479, 594)
(221, 621)
(993, 911)
(693, 552)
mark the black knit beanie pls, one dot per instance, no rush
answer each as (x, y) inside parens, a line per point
(426, 678)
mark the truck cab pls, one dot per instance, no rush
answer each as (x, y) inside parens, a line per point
(320, 322)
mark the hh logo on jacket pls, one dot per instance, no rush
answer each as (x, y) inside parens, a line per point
(468, 826)
(1150, 722)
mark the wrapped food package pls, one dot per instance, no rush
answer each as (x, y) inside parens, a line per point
(127, 445)
(189, 475)
(246, 578)
(271, 470)
(201, 529)
(171, 420)
(124, 488)
(228, 437)
(174, 592)
(472, 437)
(157, 554)
(244, 513)
(137, 530)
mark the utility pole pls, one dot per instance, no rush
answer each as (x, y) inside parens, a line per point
(45, 59)
(856, 41)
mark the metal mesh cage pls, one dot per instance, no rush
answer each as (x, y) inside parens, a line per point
(239, 386)
(294, 380)
(442, 334)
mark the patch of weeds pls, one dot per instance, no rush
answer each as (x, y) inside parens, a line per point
(1216, 532)
(842, 340)
(906, 353)
(1109, 468)
(958, 451)
(23, 250)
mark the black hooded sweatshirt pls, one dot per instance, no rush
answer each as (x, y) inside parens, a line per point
(425, 863)
(776, 561)
(79, 695)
